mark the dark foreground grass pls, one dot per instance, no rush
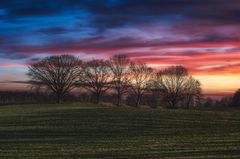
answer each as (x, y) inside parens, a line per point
(92, 131)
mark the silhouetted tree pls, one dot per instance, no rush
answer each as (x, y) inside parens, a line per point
(141, 75)
(208, 102)
(236, 98)
(192, 92)
(56, 73)
(96, 77)
(175, 85)
(224, 102)
(121, 80)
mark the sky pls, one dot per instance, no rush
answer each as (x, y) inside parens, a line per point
(202, 35)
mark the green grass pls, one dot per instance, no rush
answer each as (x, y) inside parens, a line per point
(94, 131)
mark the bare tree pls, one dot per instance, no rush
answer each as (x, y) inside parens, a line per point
(120, 65)
(170, 83)
(56, 73)
(174, 84)
(141, 75)
(96, 77)
(192, 92)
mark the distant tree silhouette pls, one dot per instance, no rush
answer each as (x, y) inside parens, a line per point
(236, 98)
(224, 102)
(59, 74)
(141, 75)
(120, 65)
(208, 102)
(175, 85)
(96, 77)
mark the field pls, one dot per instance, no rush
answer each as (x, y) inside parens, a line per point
(94, 131)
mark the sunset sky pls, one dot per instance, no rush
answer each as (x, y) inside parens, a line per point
(202, 35)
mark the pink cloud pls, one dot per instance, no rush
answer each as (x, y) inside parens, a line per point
(10, 65)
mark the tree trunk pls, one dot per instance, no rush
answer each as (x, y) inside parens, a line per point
(97, 97)
(173, 104)
(119, 99)
(189, 102)
(59, 96)
(138, 100)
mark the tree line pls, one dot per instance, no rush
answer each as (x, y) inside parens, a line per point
(119, 77)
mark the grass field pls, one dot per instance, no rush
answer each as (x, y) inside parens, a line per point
(95, 131)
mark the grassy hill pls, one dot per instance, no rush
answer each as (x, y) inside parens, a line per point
(95, 131)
